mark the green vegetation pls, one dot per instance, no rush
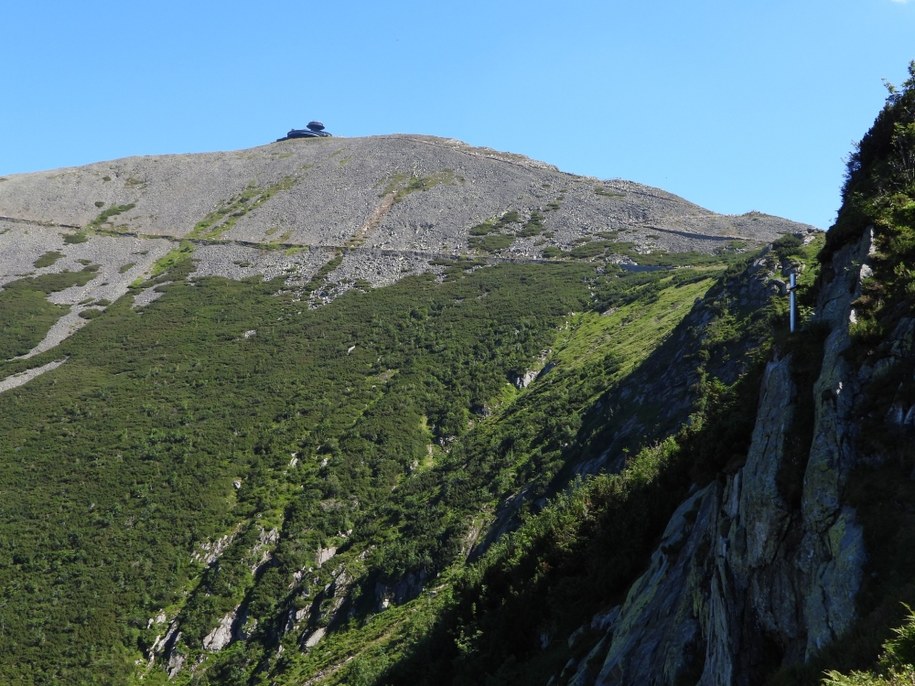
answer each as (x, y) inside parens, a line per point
(607, 193)
(47, 259)
(492, 242)
(582, 549)
(222, 219)
(26, 312)
(533, 226)
(73, 238)
(174, 257)
(896, 666)
(497, 234)
(178, 354)
(788, 245)
(105, 216)
(590, 249)
(510, 217)
(396, 402)
(461, 634)
(319, 280)
(402, 184)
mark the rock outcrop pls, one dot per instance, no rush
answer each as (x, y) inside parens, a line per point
(748, 574)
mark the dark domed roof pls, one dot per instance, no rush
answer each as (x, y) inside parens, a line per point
(315, 129)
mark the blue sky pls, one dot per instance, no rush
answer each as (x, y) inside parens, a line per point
(736, 105)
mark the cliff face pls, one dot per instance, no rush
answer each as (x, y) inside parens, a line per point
(753, 571)
(766, 567)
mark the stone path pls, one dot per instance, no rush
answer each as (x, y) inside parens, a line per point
(23, 378)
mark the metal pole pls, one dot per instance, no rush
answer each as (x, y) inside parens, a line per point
(792, 300)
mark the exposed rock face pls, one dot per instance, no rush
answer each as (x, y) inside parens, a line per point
(745, 577)
(404, 589)
(526, 379)
(221, 636)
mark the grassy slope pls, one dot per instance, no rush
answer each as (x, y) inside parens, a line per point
(483, 621)
(119, 466)
(364, 392)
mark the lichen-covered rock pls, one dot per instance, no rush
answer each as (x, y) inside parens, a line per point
(744, 578)
(221, 636)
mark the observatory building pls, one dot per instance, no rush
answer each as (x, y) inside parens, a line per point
(315, 129)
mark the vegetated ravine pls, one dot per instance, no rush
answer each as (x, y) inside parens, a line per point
(400, 410)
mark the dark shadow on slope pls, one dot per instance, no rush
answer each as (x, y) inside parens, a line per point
(507, 618)
(724, 335)
(511, 618)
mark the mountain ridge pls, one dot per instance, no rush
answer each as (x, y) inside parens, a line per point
(73, 203)
(372, 208)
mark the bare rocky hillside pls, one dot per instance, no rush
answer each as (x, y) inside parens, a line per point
(363, 209)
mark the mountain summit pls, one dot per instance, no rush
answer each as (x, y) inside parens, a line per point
(373, 209)
(366, 209)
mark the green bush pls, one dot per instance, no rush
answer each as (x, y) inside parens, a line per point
(482, 229)
(788, 245)
(880, 172)
(896, 666)
(105, 216)
(48, 259)
(492, 242)
(79, 237)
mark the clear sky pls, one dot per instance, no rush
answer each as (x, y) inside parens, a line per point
(736, 105)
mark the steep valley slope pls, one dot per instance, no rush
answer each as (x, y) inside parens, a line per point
(400, 410)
